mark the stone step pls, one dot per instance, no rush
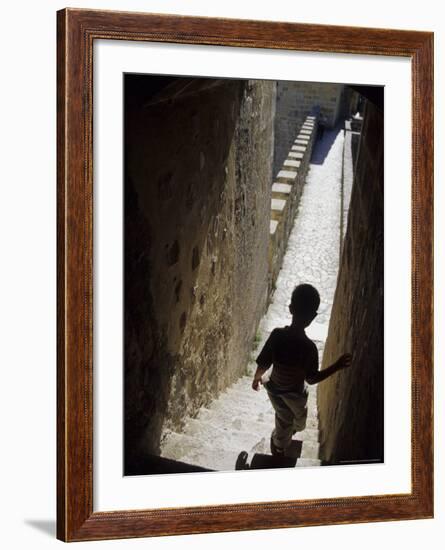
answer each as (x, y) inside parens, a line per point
(308, 434)
(312, 402)
(243, 387)
(215, 458)
(179, 445)
(307, 462)
(310, 449)
(239, 427)
(239, 432)
(238, 400)
(224, 415)
(240, 409)
(312, 423)
(242, 404)
(221, 453)
(244, 394)
(246, 437)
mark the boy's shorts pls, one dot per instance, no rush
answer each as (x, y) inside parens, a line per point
(290, 415)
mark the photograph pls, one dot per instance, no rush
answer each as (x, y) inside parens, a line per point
(253, 274)
(244, 278)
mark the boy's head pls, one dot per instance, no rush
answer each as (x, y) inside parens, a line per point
(304, 303)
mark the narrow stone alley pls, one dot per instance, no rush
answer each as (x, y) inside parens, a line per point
(242, 419)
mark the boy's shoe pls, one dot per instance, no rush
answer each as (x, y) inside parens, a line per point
(241, 461)
(276, 451)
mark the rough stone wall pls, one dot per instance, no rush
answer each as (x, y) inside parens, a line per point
(350, 403)
(197, 210)
(297, 100)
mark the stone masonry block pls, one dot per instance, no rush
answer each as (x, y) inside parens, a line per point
(289, 163)
(296, 155)
(287, 175)
(298, 148)
(281, 188)
(278, 204)
(301, 142)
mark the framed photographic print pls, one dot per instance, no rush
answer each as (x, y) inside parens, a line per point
(244, 275)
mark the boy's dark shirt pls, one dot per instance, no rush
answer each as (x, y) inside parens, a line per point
(294, 358)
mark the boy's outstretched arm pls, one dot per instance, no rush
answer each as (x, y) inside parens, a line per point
(342, 362)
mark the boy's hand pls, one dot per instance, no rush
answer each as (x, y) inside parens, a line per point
(256, 384)
(257, 377)
(344, 361)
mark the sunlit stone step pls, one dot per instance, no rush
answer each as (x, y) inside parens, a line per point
(287, 175)
(310, 449)
(273, 226)
(307, 462)
(278, 205)
(297, 155)
(298, 148)
(293, 164)
(281, 188)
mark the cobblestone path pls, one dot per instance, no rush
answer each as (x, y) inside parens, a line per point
(242, 419)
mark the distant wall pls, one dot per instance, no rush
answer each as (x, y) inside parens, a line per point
(297, 100)
(197, 209)
(350, 403)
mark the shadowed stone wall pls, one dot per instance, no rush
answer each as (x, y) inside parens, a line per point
(350, 403)
(198, 164)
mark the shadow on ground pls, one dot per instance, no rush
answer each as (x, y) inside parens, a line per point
(47, 526)
(323, 146)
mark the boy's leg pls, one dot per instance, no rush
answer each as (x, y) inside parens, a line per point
(284, 417)
(296, 402)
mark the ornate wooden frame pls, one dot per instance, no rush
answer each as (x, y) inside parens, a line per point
(77, 30)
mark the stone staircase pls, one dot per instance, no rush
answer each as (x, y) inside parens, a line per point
(241, 419)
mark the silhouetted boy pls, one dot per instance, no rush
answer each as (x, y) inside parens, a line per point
(295, 361)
